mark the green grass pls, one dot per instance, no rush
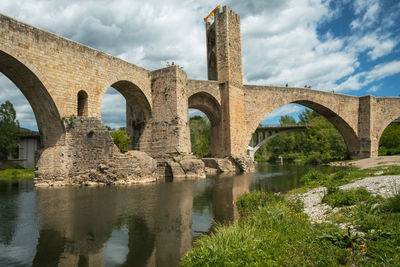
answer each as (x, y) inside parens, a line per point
(273, 231)
(347, 175)
(336, 197)
(15, 175)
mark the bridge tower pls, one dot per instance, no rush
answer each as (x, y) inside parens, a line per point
(224, 64)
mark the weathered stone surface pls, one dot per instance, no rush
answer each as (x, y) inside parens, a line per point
(193, 168)
(221, 165)
(245, 163)
(89, 156)
(185, 167)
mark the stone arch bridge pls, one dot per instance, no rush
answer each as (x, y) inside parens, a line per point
(65, 82)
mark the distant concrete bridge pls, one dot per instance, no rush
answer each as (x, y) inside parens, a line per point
(63, 79)
(265, 133)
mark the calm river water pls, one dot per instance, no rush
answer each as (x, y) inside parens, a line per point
(142, 225)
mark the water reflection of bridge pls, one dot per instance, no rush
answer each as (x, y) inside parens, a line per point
(144, 225)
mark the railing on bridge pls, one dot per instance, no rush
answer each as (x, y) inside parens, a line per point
(266, 132)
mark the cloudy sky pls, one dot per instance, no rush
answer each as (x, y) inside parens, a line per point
(350, 46)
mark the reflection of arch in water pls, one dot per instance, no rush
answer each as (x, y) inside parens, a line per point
(46, 113)
(209, 105)
(141, 243)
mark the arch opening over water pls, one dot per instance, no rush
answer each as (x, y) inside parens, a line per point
(303, 109)
(125, 105)
(208, 105)
(47, 116)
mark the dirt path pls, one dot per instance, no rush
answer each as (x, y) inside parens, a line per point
(371, 162)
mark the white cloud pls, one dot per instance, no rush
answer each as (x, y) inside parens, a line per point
(379, 72)
(280, 39)
(284, 110)
(374, 88)
(368, 13)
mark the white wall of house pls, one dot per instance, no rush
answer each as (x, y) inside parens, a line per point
(26, 151)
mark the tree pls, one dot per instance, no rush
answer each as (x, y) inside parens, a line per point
(121, 139)
(9, 130)
(389, 144)
(321, 143)
(307, 115)
(200, 136)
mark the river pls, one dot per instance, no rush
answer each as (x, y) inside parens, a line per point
(141, 225)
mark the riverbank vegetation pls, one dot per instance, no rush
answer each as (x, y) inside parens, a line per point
(9, 130)
(389, 144)
(121, 138)
(273, 229)
(321, 143)
(200, 128)
(316, 178)
(16, 175)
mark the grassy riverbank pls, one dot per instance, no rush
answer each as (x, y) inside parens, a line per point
(16, 175)
(274, 231)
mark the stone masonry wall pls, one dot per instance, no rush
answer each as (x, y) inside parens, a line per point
(90, 156)
(167, 132)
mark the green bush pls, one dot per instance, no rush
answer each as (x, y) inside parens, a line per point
(338, 198)
(382, 151)
(314, 158)
(392, 204)
(249, 202)
(313, 176)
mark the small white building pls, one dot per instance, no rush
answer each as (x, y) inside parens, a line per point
(25, 154)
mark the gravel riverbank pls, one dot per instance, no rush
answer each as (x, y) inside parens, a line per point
(385, 186)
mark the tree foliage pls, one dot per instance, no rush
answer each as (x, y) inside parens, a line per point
(9, 130)
(320, 143)
(200, 136)
(389, 144)
(121, 139)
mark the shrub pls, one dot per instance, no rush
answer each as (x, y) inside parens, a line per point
(313, 176)
(392, 204)
(249, 202)
(338, 198)
(314, 158)
(382, 151)
(296, 204)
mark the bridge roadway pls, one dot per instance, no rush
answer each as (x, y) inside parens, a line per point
(65, 83)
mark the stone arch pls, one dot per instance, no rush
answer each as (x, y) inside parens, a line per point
(206, 103)
(349, 135)
(138, 111)
(82, 103)
(47, 116)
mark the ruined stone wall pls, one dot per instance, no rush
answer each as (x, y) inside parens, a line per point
(89, 155)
